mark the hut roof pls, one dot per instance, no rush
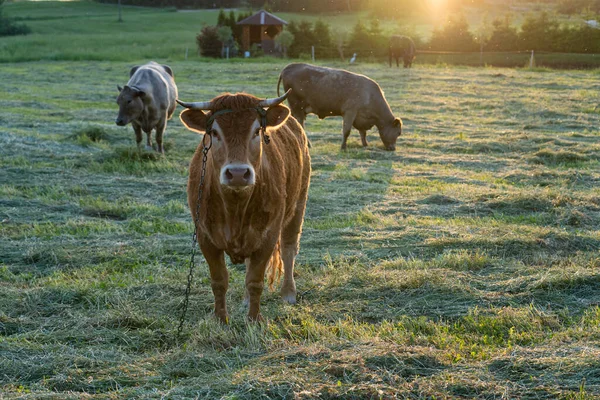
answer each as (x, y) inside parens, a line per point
(262, 18)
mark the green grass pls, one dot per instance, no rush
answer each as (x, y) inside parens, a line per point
(86, 30)
(463, 265)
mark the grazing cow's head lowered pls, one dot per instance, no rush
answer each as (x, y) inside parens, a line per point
(389, 134)
(237, 124)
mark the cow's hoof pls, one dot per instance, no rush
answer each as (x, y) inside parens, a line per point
(288, 295)
(256, 319)
(222, 317)
(289, 298)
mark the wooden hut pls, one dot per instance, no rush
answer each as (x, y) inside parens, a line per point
(261, 29)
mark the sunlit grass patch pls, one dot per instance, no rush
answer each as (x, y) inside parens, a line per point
(136, 162)
(90, 134)
(124, 207)
(563, 157)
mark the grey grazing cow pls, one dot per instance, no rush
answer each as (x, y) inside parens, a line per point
(335, 92)
(402, 46)
(148, 101)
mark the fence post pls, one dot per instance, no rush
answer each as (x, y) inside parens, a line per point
(312, 48)
(186, 52)
(227, 52)
(532, 60)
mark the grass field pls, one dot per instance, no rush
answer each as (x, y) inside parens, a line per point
(89, 31)
(465, 264)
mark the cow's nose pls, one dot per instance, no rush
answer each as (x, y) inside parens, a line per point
(120, 122)
(238, 176)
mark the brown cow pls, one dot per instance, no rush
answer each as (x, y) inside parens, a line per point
(402, 46)
(331, 92)
(254, 194)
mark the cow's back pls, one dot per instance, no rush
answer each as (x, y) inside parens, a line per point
(401, 45)
(327, 90)
(156, 80)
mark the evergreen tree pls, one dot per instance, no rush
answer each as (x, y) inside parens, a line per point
(360, 42)
(222, 18)
(454, 36)
(539, 32)
(504, 36)
(323, 43)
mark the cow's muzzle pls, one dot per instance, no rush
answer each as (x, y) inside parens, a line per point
(120, 122)
(237, 176)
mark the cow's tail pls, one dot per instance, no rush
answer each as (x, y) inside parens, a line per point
(275, 267)
(278, 84)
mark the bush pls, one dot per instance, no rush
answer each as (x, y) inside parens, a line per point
(208, 42)
(9, 28)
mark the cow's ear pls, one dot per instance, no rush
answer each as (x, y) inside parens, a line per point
(168, 69)
(133, 70)
(397, 122)
(276, 116)
(120, 88)
(139, 93)
(194, 120)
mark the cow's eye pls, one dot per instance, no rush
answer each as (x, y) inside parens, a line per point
(128, 101)
(256, 132)
(214, 134)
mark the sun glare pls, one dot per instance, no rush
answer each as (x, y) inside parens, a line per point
(437, 8)
(437, 4)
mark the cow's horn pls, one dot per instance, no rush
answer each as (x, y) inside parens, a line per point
(275, 101)
(199, 105)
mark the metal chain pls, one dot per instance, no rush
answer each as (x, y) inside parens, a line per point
(190, 276)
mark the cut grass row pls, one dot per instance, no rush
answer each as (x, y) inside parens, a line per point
(463, 265)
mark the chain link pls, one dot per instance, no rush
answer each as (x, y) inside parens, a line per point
(190, 276)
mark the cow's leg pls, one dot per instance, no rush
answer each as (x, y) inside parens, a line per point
(255, 277)
(149, 140)
(363, 138)
(290, 242)
(347, 127)
(138, 134)
(219, 278)
(301, 117)
(160, 128)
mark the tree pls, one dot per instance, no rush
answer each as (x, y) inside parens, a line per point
(225, 36)
(378, 42)
(453, 36)
(304, 38)
(504, 36)
(285, 40)
(360, 42)
(539, 32)
(222, 18)
(323, 42)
